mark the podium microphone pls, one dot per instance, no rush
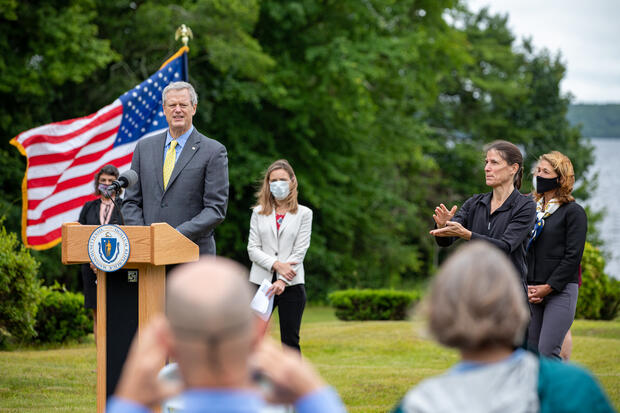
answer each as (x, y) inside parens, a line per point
(127, 179)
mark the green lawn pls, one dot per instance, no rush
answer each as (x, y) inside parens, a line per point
(372, 364)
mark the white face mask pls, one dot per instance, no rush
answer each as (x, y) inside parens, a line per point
(279, 189)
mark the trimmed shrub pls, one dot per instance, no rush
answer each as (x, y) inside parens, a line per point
(599, 295)
(18, 291)
(61, 316)
(611, 300)
(372, 304)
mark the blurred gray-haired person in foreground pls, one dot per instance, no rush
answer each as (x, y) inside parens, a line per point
(210, 331)
(476, 306)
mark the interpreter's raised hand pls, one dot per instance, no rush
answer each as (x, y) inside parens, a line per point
(139, 382)
(289, 376)
(442, 215)
(452, 229)
(536, 293)
(276, 288)
(285, 269)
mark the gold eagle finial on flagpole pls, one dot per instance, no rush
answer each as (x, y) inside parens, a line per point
(185, 33)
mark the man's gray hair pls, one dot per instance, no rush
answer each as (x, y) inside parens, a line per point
(179, 86)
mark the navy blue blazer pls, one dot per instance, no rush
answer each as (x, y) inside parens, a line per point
(554, 257)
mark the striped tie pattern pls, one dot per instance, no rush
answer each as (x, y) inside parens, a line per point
(169, 162)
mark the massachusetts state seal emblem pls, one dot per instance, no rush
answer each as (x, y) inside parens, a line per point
(108, 247)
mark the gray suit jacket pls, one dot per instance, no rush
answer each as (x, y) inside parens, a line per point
(196, 198)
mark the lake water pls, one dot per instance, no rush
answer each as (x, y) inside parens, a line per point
(607, 195)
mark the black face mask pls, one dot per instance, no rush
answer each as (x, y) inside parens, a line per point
(546, 184)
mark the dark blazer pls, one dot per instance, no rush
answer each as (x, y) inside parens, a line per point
(555, 256)
(507, 227)
(89, 215)
(196, 197)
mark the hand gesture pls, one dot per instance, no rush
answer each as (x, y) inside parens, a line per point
(442, 215)
(289, 376)
(276, 288)
(139, 382)
(285, 269)
(452, 229)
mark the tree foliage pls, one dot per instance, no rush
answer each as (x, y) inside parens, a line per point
(381, 106)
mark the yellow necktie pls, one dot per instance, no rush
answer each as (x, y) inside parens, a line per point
(169, 162)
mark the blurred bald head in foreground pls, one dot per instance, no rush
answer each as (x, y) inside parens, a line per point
(210, 331)
(212, 326)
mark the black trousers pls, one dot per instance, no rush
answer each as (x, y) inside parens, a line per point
(291, 304)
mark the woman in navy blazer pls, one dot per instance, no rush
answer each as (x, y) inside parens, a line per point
(279, 237)
(554, 253)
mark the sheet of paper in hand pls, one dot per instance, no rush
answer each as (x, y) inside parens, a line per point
(261, 304)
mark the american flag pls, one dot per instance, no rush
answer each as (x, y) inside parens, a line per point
(63, 157)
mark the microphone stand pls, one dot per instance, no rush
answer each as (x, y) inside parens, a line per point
(117, 192)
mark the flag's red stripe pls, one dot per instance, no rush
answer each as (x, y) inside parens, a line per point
(44, 239)
(122, 161)
(71, 183)
(91, 157)
(70, 121)
(63, 156)
(62, 138)
(53, 179)
(44, 181)
(60, 208)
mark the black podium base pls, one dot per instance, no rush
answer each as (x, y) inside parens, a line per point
(121, 323)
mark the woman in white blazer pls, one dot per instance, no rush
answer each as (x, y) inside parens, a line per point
(280, 232)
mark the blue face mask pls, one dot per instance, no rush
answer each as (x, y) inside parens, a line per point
(279, 189)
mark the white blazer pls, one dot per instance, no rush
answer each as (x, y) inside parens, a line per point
(267, 244)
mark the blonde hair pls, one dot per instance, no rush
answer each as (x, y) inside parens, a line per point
(476, 300)
(562, 166)
(265, 199)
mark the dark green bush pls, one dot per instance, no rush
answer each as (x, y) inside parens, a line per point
(372, 304)
(599, 295)
(61, 316)
(18, 290)
(611, 300)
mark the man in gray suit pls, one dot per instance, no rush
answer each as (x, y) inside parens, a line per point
(183, 175)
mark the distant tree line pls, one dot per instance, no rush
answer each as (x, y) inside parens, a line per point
(381, 106)
(597, 121)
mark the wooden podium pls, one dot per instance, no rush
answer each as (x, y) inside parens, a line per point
(131, 300)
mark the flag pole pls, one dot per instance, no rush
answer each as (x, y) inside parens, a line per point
(185, 34)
